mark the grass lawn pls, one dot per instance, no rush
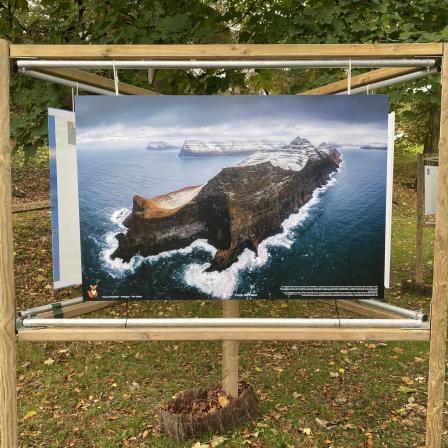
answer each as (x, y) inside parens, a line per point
(312, 394)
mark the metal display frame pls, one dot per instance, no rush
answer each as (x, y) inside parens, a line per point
(399, 62)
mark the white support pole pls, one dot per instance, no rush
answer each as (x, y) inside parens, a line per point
(390, 82)
(65, 82)
(409, 314)
(224, 64)
(234, 322)
(44, 308)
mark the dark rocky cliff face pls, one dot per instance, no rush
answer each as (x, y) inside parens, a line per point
(236, 209)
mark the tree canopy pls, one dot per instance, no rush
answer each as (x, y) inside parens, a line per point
(224, 21)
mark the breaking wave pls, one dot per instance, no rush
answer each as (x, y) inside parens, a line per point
(216, 284)
(118, 268)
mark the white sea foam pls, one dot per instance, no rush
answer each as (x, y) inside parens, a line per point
(118, 217)
(118, 268)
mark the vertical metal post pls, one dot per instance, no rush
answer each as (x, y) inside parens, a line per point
(8, 398)
(437, 353)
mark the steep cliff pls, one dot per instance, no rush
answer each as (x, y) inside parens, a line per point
(236, 209)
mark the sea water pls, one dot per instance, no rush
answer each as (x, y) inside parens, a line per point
(336, 239)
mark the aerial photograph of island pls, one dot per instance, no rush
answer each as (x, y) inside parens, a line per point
(243, 197)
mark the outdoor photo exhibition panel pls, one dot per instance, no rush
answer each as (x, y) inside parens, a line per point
(423, 58)
(194, 197)
(119, 159)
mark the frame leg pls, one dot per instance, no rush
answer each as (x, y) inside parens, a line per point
(8, 398)
(420, 222)
(230, 308)
(437, 354)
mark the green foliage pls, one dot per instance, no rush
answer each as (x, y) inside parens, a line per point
(352, 21)
(222, 21)
(103, 21)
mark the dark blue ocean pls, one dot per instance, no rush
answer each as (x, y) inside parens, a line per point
(336, 240)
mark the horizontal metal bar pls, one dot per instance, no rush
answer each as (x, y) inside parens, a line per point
(235, 64)
(389, 82)
(65, 82)
(44, 308)
(418, 315)
(226, 322)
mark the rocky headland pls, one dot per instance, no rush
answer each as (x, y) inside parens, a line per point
(236, 209)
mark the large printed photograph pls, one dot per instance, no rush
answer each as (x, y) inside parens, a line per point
(243, 197)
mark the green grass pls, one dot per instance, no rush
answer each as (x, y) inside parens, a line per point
(107, 394)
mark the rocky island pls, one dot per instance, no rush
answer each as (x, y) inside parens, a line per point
(236, 209)
(198, 148)
(380, 146)
(159, 146)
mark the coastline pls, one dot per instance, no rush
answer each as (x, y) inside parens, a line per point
(218, 285)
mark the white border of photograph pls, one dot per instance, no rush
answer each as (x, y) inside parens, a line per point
(389, 194)
(64, 200)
